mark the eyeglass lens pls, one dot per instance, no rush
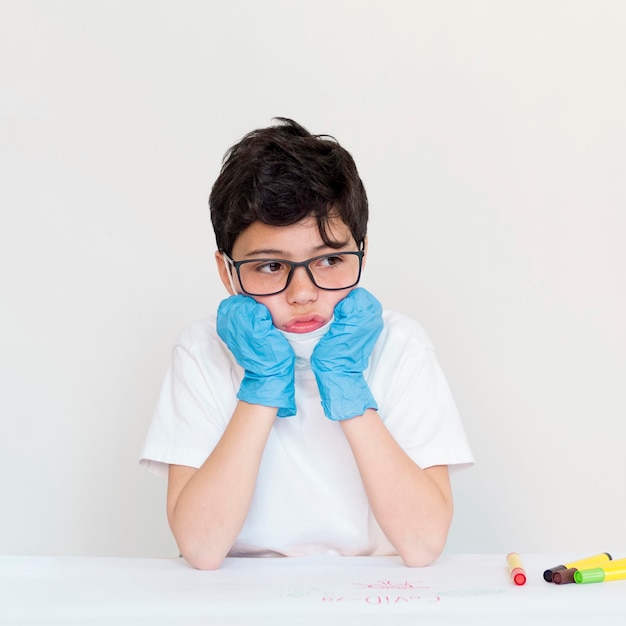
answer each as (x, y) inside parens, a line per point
(330, 271)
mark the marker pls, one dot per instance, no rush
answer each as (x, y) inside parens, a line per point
(600, 574)
(516, 570)
(566, 576)
(590, 561)
(563, 576)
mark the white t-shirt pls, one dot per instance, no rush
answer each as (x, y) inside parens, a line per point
(309, 498)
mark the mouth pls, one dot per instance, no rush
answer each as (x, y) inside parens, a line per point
(304, 324)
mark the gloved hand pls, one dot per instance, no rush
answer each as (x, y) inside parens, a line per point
(343, 353)
(246, 327)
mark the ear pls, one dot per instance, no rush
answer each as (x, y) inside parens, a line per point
(364, 254)
(224, 270)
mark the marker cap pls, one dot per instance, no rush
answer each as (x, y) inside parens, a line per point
(564, 576)
(549, 573)
(518, 575)
(595, 575)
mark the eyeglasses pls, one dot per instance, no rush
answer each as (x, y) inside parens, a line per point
(267, 277)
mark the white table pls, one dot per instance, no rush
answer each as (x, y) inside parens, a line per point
(458, 589)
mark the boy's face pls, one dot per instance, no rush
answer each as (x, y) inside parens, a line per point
(301, 307)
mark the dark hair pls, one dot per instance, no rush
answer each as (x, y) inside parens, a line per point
(282, 174)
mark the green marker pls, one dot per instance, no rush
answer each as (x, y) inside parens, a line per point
(601, 574)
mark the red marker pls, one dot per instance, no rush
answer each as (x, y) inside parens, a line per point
(516, 569)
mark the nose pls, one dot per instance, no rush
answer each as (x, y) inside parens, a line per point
(301, 288)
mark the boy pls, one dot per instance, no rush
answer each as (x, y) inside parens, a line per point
(302, 419)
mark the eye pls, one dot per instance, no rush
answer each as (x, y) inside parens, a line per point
(330, 260)
(270, 267)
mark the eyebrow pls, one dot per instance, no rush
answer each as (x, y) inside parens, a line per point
(274, 253)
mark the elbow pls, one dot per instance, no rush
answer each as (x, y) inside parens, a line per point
(423, 551)
(419, 558)
(192, 546)
(205, 564)
(203, 561)
(199, 557)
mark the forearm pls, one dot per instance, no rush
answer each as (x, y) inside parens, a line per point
(412, 506)
(207, 507)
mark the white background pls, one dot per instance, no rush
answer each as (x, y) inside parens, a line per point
(490, 137)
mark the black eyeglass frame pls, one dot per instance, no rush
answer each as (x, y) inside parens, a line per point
(292, 268)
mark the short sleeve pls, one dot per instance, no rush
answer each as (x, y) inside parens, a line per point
(415, 400)
(196, 401)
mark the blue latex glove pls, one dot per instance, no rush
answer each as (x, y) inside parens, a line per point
(246, 327)
(343, 353)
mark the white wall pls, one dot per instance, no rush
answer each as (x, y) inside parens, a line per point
(490, 136)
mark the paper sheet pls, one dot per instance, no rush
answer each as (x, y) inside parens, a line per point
(306, 591)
